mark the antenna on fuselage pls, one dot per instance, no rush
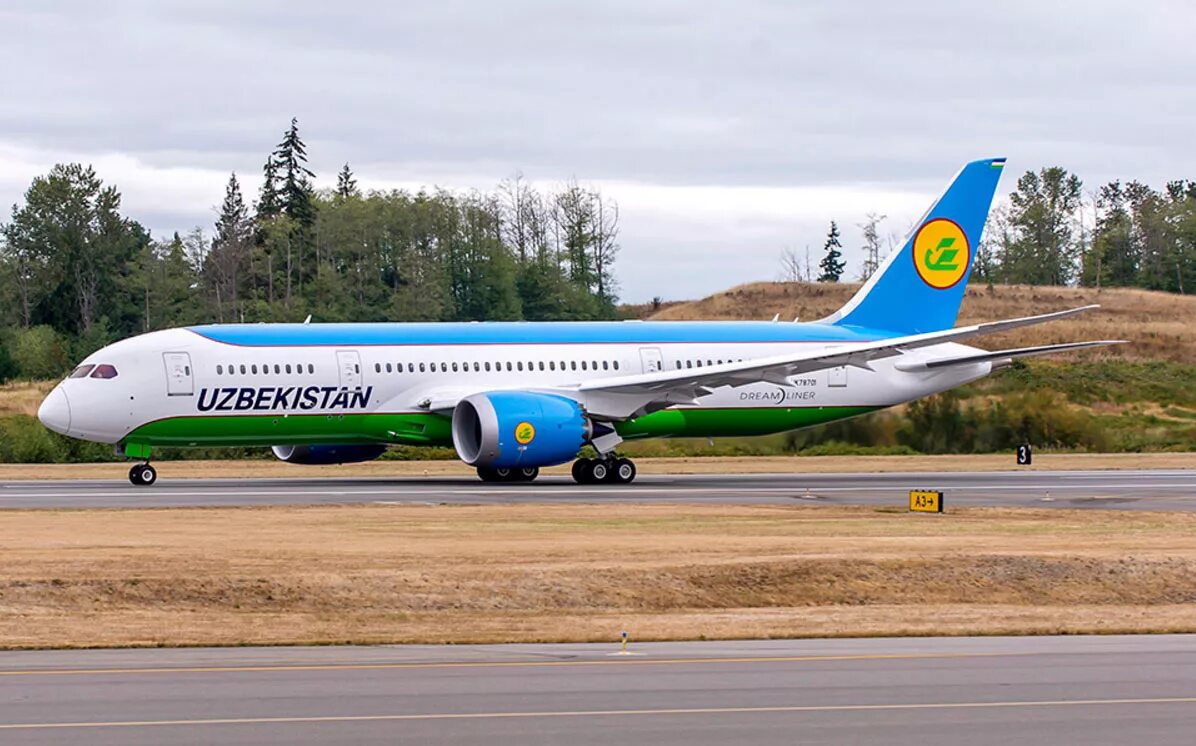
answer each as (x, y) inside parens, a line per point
(776, 318)
(308, 319)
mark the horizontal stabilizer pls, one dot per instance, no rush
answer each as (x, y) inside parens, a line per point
(1002, 355)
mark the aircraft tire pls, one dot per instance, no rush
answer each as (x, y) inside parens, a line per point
(597, 471)
(579, 470)
(143, 475)
(526, 474)
(624, 471)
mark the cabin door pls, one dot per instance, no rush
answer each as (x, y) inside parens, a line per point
(179, 380)
(348, 362)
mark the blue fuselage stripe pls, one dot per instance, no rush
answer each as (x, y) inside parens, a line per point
(583, 332)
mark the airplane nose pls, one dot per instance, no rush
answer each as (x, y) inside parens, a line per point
(55, 411)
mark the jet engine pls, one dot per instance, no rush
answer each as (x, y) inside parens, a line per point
(518, 429)
(323, 455)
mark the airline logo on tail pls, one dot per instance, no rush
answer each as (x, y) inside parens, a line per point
(941, 253)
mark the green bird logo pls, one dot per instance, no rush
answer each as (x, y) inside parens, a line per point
(942, 257)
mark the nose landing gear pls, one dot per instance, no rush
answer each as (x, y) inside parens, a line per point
(143, 475)
(604, 471)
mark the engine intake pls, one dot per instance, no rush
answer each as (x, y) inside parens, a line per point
(318, 455)
(509, 429)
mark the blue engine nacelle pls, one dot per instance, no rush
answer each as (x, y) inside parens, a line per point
(510, 429)
(325, 455)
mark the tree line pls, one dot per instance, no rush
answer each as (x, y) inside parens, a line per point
(76, 273)
(1051, 231)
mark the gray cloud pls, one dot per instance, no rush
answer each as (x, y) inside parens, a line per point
(880, 95)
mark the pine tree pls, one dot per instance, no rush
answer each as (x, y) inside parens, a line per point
(346, 185)
(268, 202)
(296, 197)
(832, 263)
(224, 269)
(295, 192)
(233, 224)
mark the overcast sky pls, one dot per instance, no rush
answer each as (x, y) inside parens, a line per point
(726, 131)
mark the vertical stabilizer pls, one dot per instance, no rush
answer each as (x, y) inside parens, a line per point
(919, 288)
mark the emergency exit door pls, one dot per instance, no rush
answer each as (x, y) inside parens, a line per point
(651, 358)
(179, 380)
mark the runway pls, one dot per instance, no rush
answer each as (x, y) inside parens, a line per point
(1149, 490)
(1044, 690)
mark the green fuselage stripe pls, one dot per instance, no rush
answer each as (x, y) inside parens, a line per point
(415, 428)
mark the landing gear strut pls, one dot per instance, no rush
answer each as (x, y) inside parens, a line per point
(525, 474)
(604, 471)
(143, 475)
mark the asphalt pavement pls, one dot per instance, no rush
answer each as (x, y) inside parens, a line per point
(1148, 490)
(1034, 690)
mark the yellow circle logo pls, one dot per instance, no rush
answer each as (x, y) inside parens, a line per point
(525, 433)
(941, 253)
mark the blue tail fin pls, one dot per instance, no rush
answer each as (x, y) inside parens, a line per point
(919, 288)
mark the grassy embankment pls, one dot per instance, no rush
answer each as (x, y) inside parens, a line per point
(1135, 397)
(377, 574)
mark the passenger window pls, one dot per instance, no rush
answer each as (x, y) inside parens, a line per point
(377, 367)
(616, 364)
(444, 367)
(311, 368)
(454, 367)
(519, 365)
(508, 365)
(573, 365)
(219, 371)
(104, 371)
(277, 369)
(487, 366)
(689, 363)
(541, 365)
(288, 368)
(253, 368)
(605, 365)
(81, 371)
(476, 366)
(410, 367)
(421, 367)
(242, 368)
(552, 365)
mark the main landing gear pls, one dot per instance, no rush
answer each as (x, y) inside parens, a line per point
(604, 471)
(508, 475)
(143, 475)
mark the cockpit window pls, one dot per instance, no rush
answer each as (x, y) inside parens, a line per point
(81, 371)
(104, 371)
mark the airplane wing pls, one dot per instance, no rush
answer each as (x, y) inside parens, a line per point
(625, 396)
(1002, 355)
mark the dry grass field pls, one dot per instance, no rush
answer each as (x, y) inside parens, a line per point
(23, 397)
(376, 574)
(1161, 326)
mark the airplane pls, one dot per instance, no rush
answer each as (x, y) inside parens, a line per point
(512, 398)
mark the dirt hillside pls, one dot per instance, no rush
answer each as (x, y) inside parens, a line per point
(1160, 326)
